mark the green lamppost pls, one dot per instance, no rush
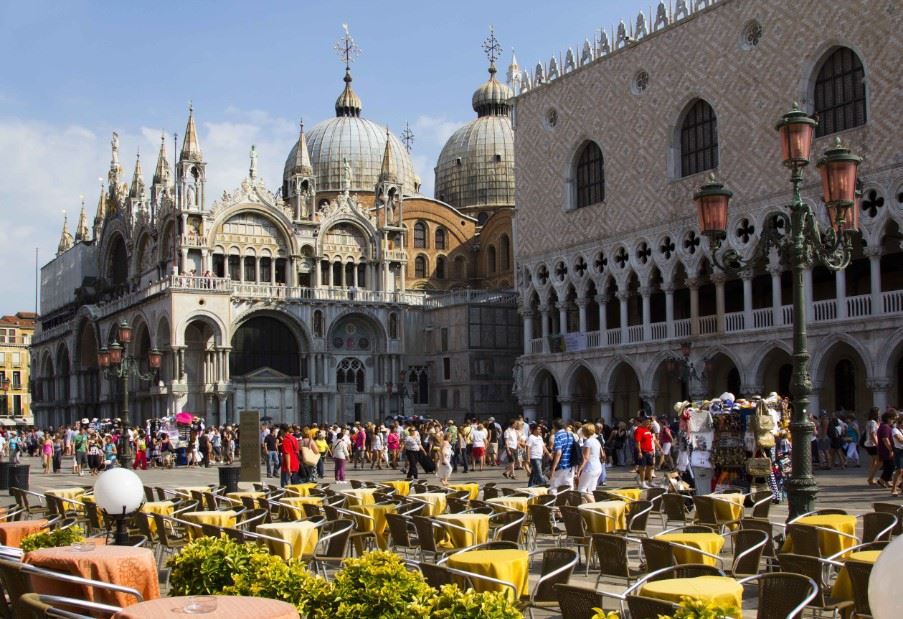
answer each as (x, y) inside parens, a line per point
(797, 236)
(118, 364)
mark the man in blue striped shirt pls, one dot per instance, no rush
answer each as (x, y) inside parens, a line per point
(562, 471)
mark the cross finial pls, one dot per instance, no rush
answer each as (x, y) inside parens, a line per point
(407, 137)
(491, 46)
(347, 48)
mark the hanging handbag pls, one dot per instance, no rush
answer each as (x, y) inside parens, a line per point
(308, 456)
(758, 467)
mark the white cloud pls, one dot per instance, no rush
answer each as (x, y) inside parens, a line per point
(435, 130)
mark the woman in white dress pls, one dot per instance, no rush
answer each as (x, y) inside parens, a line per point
(589, 471)
(444, 469)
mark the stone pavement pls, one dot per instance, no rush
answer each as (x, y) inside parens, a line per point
(844, 489)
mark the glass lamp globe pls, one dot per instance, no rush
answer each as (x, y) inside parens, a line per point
(884, 583)
(119, 491)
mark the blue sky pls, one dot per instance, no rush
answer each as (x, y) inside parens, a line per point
(75, 71)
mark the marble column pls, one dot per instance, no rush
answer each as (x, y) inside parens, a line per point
(874, 256)
(747, 276)
(544, 312)
(776, 301)
(646, 293)
(602, 300)
(840, 285)
(879, 387)
(581, 311)
(528, 331)
(669, 309)
(565, 407)
(623, 295)
(718, 279)
(693, 285)
(562, 317)
(605, 401)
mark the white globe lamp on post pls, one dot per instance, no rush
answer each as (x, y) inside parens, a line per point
(119, 493)
(884, 583)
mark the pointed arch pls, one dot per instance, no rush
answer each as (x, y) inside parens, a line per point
(697, 138)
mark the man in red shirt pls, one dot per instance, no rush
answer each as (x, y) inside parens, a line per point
(290, 460)
(645, 446)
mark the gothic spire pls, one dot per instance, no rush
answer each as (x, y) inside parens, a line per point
(162, 173)
(302, 156)
(191, 149)
(81, 230)
(389, 170)
(137, 187)
(101, 213)
(65, 238)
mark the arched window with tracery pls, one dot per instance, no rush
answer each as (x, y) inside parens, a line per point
(350, 371)
(698, 139)
(420, 235)
(840, 92)
(590, 175)
(440, 238)
(420, 266)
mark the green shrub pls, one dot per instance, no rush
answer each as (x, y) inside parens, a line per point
(694, 609)
(208, 565)
(52, 539)
(271, 577)
(452, 603)
(379, 585)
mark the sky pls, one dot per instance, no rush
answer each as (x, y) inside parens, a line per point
(75, 71)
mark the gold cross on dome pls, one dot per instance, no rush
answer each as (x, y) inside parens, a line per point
(347, 48)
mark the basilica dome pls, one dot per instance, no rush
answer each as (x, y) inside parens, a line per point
(360, 141)
(476, 166)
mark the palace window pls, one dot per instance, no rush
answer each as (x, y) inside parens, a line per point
(250, 269)
(490, 259)
(698, 139)
(420, 235)
(505, 250)
(840, 92)
(590, 176)
(440, 238)
(440, 267)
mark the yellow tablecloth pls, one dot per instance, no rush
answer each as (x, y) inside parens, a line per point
(300, 489)
(238, 496)
(378, 524)
(711, 543)
(829, 543)
(719, 589)
(509, 565)
(597, 523)
(473, 489)
(436, 502)
(402, 486)
(65, 493)
(303, 537)
(165, 508)
(219, 518)
(843, 586)
(187, 490)
(477, 526)
(631, 494)
(534, 490)
(508, 503)
(293, 506)
(361, 496)
(729, 506)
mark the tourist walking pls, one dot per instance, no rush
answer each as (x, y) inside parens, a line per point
(444, 467)
(871, 444)
(562, 471)
(412, 449)
(536, 449)
(886, 447)
(340, 454)
(589, 471)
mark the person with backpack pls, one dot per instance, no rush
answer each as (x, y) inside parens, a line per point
(563, 447)
(836, 432)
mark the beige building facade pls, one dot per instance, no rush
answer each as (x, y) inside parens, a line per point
(612, 141)
(16, 332)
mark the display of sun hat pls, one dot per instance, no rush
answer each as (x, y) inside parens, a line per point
(727, 398)
(85, 420)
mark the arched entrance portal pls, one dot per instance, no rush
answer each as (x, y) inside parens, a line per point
(625, 392)
(671, 386)
(722, 375)
(777, 370)
(843, 379)
(584, 405)
(547, 405)
(266, 368)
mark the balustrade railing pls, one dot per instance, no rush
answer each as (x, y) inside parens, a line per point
(659, 330)
(593, 339)
(682, 327)
(613, 337)
(536, 345)
(708, 325)
(824, 310)
(635, 334)
(893, 301)
(734, 321)
(763, 318)
(858, 306)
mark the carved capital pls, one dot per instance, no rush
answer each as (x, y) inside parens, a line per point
(583, 302)
(878, 384)
(872, 251)
(623, 295)
(602, 299)
(646, 291)
(693, 283)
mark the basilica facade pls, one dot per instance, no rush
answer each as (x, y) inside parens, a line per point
(622, 306)
(322, 299)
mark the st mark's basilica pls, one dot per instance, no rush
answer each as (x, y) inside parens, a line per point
(344, 294)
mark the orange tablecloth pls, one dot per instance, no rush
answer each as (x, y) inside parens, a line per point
(11, 533)
(227, 607)
(118, 565)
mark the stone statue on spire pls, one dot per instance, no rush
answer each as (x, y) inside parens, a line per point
(253, 171)
(346, 177)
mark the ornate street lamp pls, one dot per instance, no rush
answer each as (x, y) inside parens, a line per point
(797, 235)
(685, 370)
(118, 364)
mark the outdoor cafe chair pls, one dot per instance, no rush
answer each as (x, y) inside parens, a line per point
(612, 554)
(819, 571)
(891, 508)
(542, 520)
(577, 602)
(556, 567)
(878, 526)
(38, 606)
(782, 595)
(332, 547)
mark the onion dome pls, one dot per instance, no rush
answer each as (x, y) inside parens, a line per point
(492, 97)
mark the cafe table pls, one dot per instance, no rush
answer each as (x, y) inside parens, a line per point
(508, 565)
(227, 607)
(376, 521)
(533, 491)
(719, 590)
(118, 565)
(300, 489)
(402, 486)
(225, 518)
(477, 526)
(728, 507)
(302, 536)
(11, 533)
(473, 489)
(435, 502)
(595, 516)
(186, 491)
(361, 496)
(630, 494)
(843, 586)
(238, 496)
(73, 492)
(509, 503)
(293, 506)
(711, 543)
(829, 542)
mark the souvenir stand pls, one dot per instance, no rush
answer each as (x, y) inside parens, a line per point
(731, 442)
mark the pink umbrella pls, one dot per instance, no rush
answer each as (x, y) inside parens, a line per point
(184, 418)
